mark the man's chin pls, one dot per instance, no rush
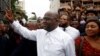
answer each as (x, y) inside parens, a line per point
(47, 29)
(44, 27)
(62, 25)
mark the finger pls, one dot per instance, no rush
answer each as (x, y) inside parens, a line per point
(6, 13)
(9, 11)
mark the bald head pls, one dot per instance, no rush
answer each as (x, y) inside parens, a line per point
(50, 20)
(52, 14)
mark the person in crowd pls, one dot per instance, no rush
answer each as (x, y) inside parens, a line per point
(65, 25)
(31, 25)
(51, 41)
(40, 23)
(24, 47)
(82, 18)
(4, 40)
(75, 24)
(89, 44)
(62, 11)
(91, 14)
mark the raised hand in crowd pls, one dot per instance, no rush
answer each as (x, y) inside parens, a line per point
(9, 15)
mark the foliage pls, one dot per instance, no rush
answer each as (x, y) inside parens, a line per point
(18, 13)
(13, 4)
(32, 18)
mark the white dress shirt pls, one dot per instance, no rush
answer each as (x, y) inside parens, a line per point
(74, 33)
(54, 43)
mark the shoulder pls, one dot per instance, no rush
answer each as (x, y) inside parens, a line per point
(72, 28)
(79, 40)
(67, 37)
(40, 31)
(63, 34)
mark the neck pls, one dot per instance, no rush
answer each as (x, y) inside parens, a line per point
(64, 25)
(51, 29)
(93, 37)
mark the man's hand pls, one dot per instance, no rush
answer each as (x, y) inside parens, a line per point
(9, 15)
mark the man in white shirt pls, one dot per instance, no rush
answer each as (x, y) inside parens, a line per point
(65, 21)
(51, 41)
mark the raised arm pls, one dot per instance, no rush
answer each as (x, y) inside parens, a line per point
(26, 33)
(19, 28)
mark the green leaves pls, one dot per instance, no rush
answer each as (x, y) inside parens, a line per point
(18, 13)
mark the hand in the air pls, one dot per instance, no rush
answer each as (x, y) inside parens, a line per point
(9, 15)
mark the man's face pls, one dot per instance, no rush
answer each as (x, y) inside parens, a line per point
(63, 20)
(48, 22)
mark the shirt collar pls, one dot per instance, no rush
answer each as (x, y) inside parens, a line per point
(55, 30)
